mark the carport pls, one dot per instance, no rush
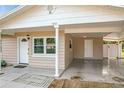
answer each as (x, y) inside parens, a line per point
(86, 54)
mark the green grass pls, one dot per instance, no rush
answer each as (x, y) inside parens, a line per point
(122, 54)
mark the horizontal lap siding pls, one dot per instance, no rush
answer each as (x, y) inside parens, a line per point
(68, 51)
(0, 55)
(79, 47)
(9, 49)
(45, 62)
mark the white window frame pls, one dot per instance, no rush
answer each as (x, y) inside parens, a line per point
(45, 44)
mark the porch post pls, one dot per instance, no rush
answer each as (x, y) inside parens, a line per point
(56, 26)
(0, 48)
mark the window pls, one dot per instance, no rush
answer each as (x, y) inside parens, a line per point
(50, 45)
(38, 45)
(44, 45)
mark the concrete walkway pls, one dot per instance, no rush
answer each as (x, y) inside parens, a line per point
(28, 77)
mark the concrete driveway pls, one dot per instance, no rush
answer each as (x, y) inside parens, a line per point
(111, 71)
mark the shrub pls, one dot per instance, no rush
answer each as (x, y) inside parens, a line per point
(3, 63)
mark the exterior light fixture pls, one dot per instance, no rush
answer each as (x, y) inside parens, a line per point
(28, 37)
(51, 9)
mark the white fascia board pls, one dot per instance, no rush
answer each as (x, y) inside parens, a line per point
(93, 30)
(120, 6)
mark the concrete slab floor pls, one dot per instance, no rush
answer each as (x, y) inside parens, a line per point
(96, 70)
(88, 70)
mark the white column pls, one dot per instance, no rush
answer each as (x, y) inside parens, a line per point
(56, 26)
(0, 48)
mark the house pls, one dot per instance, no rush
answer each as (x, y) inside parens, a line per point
(52, 36)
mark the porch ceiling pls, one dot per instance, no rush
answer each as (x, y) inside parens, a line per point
(89, 35)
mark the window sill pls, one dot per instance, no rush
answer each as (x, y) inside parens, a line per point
(47, 55)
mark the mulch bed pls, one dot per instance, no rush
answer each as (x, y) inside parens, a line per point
(118, 79)
(76, 83)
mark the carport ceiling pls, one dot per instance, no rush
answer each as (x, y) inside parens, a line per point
(84, 35)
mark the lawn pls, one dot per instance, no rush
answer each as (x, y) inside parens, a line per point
(122, 54)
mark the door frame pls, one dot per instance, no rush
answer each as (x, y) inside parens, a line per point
(18, 49)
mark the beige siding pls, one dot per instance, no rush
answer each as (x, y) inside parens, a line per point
(9, 47)
(98, 48)
(0, 55)
(45, 62)
(79, 47)
(68, 51)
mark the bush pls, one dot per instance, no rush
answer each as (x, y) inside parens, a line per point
(3, 63)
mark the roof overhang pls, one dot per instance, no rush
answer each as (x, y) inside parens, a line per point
(14, 12)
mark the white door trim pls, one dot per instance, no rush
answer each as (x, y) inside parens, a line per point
(18, 48)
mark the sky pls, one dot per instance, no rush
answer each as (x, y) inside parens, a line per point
(6, 8)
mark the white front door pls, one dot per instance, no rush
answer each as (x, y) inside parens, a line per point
(23, 50)
(88, 48)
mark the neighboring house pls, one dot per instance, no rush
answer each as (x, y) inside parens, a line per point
(52, 36)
